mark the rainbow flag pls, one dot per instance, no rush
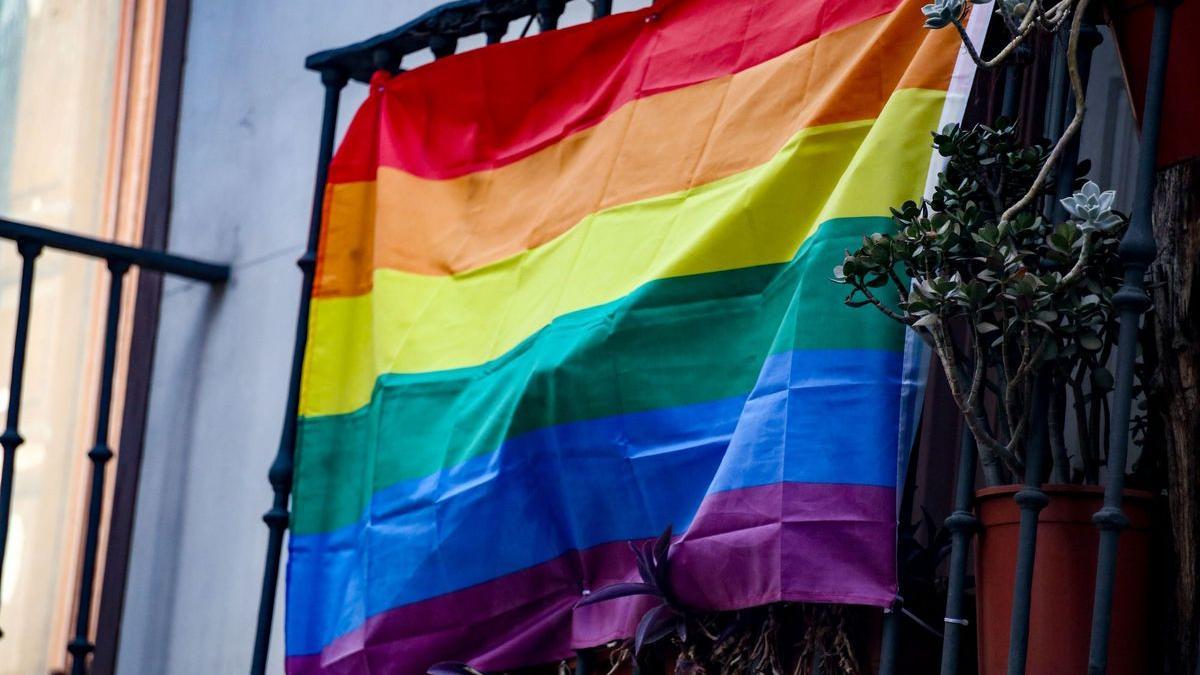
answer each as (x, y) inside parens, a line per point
(575, 288)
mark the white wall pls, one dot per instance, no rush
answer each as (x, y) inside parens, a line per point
(243, 182)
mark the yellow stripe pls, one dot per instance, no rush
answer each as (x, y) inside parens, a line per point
(415, 323)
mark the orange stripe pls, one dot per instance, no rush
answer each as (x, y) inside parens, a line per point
(657, 145)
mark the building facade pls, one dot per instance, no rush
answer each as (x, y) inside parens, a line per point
(192, 126)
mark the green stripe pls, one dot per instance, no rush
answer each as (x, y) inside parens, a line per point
(634, 354)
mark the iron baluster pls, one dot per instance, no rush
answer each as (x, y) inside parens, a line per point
(1012, 82)
(1089, 39)
(1030, 500)
(889, 651)
(962, 524)
(81, 645)
(11, 438)
(31, 240)
(442, 45)
(280, 474)
(493, 28)
(548, 12)
(1054, 118)
(1137, 252)
(384, 60)
(890, 640)
(585, 661)
(491, 23)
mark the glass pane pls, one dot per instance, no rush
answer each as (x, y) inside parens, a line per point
(57, 75)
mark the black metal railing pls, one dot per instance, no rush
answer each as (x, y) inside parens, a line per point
(438, 30)
(31, 240)
(1131, 301)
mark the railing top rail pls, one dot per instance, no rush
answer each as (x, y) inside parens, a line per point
(144, 258)
(450, 21)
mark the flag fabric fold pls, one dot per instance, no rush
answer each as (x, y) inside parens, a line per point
(576, 288)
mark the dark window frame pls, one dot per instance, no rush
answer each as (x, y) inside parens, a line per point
(155, 229)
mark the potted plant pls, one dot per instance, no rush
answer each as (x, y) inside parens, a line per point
(1012, 290)
(1010, 300)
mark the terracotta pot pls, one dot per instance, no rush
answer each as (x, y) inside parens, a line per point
(1064, 581)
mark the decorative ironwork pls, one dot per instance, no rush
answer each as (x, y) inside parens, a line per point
(492, 23)
(962, 524)
(889, 651)
(1012, 81)
(442, 27)
(1030, 500)
(548, 12)
(31, 240)
(280, 474)
(1131, 301)
(81, 645)
(11, 439)
(1089, 39)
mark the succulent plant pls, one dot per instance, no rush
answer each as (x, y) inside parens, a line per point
(1000, 301)
(942, 13)
(1092, 210)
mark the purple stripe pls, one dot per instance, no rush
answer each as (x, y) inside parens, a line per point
(838, 542)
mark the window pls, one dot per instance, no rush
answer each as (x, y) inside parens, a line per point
(76, 109)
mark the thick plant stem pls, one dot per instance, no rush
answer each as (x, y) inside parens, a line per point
(1072, 128)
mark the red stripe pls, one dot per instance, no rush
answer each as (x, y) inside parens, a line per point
(490, 107)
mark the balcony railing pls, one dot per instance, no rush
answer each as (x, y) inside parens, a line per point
(30, 241)
(440, 29)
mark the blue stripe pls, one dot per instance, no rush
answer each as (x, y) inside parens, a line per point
(827, 416)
